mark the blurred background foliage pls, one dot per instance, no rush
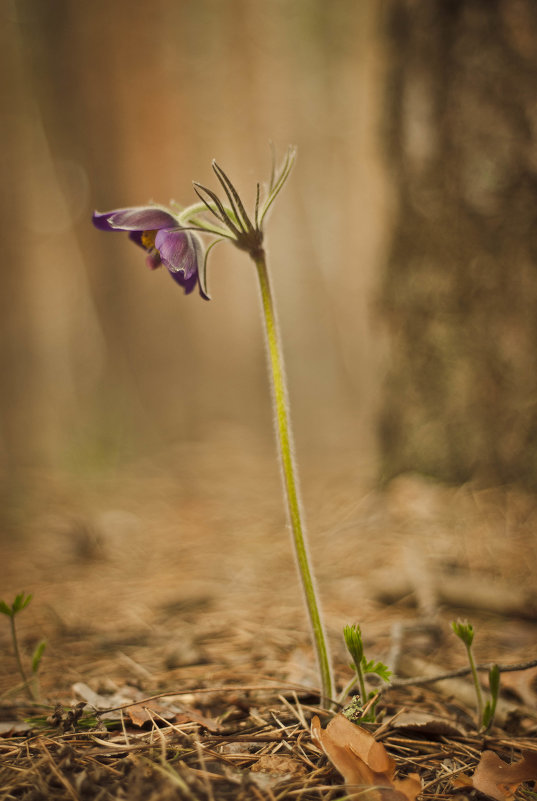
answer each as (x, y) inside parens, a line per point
(402, 249)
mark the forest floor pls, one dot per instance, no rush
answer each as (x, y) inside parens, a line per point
(179, 583)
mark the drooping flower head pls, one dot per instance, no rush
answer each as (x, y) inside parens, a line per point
(158, 232)
(170, 239)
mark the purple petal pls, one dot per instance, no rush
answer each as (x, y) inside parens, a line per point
(136, 237)
(192, 255)
(188, 284)
(178, 251)
(137, 218)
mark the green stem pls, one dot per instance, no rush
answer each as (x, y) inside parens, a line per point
(345, 692)
(477, 686)
(361, 681)
(18, 657)
(289, 474)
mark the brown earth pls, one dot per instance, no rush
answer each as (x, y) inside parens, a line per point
(181, 580)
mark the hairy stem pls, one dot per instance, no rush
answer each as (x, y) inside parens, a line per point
(283, 427)
(361, 682)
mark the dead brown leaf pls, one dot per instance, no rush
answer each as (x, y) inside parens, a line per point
(362, 761)
(141, 713)
(499, 779)
(193, 716)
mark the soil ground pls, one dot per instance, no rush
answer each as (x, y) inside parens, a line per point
(180, 580)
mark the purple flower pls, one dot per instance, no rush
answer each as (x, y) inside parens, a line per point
(157, 232)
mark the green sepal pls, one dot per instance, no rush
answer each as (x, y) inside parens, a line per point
(202, 269)
(189, 217)
(277, 180)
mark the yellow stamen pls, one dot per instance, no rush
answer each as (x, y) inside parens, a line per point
(148, 239)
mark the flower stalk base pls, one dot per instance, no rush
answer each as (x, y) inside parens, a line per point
(289, 474)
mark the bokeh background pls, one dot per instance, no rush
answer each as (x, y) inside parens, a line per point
(140, 497)
(113, 104)
(402, 250)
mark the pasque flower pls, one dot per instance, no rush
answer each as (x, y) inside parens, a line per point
(170, 240)
(158, 232)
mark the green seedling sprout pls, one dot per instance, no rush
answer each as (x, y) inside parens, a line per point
(21, 602)
(363, 667)
(465, 632)
(485, 713)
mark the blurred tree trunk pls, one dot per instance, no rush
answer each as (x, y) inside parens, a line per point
(460, 288)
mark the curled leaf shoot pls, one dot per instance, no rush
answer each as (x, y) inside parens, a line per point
(490, 707)
(464, 631)
(363, 667)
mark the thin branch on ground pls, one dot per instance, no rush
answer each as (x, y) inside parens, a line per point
(454, 674)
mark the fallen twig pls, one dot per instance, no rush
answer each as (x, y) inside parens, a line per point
(454, 674)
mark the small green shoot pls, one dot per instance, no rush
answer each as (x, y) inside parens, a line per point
(490, 706)
(37, 656)
(464, 631)
(21, 602)
(485, 713)
(363, 667)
